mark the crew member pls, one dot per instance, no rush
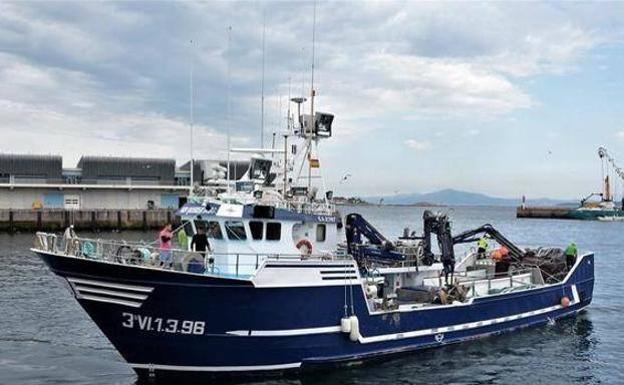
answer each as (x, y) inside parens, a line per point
(200, 243)
(164, 238)
(183, 239)
(68, 236)
(482, 246)
(571, 253)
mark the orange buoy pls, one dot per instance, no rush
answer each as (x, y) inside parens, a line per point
(496, 255)
(565, 302)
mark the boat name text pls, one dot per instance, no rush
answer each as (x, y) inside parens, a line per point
(162, 325)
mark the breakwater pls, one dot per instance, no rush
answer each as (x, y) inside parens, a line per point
(94, 220)
(544, 212)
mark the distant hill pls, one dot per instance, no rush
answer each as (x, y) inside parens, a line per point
(460, 198)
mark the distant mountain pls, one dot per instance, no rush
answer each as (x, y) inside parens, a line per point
(460, 198)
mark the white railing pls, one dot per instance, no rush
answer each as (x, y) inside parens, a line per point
(241, 265)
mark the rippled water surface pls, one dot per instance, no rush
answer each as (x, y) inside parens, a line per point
(45, 337)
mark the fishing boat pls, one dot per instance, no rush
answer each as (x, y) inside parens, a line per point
(289, 285)
(599, 206)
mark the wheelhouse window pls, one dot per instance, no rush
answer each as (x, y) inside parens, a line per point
(235, 230)
(256, 228)
(321, 233)
(273, 231)
(213, 230)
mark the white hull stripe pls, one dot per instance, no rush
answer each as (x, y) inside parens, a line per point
(110, 300)
(142, 289)
(85, 289)
(400, 336)
(251, 368)
(466, 326)
(284, 333)
(109, 292)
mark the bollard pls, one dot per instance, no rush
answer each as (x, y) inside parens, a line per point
(11, 223)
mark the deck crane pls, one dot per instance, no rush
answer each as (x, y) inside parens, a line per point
(605, 157)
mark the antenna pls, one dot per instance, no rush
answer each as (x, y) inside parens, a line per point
(312, 95)
(303, 71)
(262, 85)
(191, 118)
(229, 102)
(288, 117)
(313, 53)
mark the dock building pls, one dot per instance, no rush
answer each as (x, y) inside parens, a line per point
(41, 182)
(38, 193)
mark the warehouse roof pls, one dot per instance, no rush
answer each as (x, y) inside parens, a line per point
(96, 167)
(45, 166)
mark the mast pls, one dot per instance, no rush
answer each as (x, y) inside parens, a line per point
(191, 118)
(273, 144)
(285, 164)
(262, 84)
(288, 128)
(229, 102)
(312, 94)
(288, 113)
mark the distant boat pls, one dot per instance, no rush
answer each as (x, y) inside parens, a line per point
(611, 218)
(603, 209)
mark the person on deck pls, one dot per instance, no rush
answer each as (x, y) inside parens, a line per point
(482, 246)
(571, 252)
(183, 239)
(68, 236)
(199, 242)
(164, 238)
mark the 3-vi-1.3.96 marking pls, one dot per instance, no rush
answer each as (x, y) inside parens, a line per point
(162, 325)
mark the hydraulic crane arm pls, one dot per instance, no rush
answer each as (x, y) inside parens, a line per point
(379, 248)
(470, 236)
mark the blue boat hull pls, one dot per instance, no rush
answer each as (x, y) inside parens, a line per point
(180, 325)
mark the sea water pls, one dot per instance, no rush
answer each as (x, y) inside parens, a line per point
(45, 337)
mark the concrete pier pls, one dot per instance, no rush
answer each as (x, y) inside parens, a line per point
(57, 220)
(544, 212)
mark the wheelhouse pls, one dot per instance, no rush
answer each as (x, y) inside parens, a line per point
(247, 234)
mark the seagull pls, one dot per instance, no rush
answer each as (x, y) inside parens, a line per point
(345, 177)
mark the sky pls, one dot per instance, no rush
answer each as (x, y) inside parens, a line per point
(503, 98)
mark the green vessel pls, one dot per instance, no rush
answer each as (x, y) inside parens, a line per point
(605, 209)
(599, 214)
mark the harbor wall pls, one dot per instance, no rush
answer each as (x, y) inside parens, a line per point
(57, 220)
(544, 212)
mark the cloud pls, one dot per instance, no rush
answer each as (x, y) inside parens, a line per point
(417, 144)
(37, 129)
(118, 72)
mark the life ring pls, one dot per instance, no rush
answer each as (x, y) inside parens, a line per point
(304, 246)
